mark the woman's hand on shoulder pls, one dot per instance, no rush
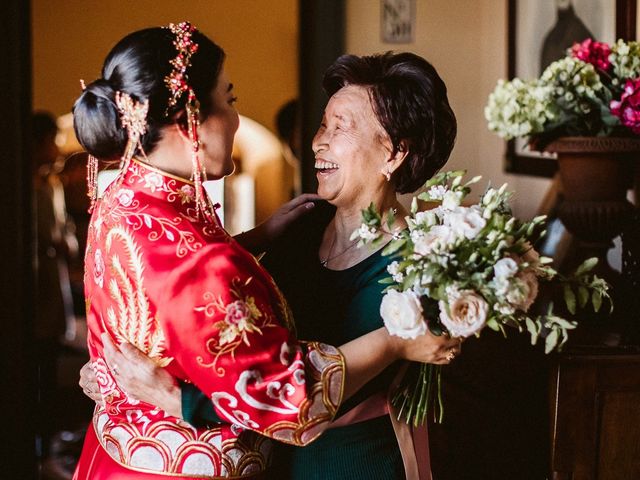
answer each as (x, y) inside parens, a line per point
(258, 239)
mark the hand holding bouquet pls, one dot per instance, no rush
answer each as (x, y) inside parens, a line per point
(459, 269)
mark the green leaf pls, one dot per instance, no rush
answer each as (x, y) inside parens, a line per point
(583, 296)
(551, 341)
(533, 330)
(570, 299)
(596, 299)
(394, 246)
(391, 218)
(586, 266)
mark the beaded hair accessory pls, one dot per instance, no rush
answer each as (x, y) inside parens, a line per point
(133, 116)
(178, 84)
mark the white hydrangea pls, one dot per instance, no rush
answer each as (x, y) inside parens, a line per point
(519, 109)
(573, 84)
(625, 59)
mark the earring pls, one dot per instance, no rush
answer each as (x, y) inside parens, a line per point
(387, 175)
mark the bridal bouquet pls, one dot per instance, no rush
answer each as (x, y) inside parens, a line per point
(460, 269)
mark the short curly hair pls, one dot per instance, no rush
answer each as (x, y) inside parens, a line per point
(410, 101)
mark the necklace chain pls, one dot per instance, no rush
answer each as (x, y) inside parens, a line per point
(328, 258)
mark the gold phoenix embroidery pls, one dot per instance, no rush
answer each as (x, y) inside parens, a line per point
(133, 321)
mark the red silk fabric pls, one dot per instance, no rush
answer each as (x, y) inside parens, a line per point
(190, 297)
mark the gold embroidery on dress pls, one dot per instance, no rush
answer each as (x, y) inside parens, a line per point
(326, 368)
(241, 318)
(133, 321)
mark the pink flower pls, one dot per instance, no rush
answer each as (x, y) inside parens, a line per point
(187, 193)
(628, 108)
(98, 268)
(595, 53)
(237, 312)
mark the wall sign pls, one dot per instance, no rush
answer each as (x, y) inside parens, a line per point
(398, 20)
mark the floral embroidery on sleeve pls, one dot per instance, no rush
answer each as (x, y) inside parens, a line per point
(241, 318)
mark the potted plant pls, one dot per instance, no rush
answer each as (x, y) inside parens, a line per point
(585, 108)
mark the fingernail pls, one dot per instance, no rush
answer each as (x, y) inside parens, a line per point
(310, 205)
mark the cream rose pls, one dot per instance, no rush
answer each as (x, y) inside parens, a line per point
(465, 222)
(437, 240)
(524, 291)
(466, 315)
(402, 314)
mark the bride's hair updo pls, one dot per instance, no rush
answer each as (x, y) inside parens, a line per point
(138, 65)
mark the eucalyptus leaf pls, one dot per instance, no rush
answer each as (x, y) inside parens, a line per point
(596, 299)
(551, 341)
(586, 266)
(570, 299)
(583, 296)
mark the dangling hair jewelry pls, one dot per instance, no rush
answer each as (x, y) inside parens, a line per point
(92, 171)
(92, 181)
(178, 84)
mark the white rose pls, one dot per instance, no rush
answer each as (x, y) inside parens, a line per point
(466, 315)
(437, 239)
(524, 290)
(465, 222)
(402, 314)
(505, 268)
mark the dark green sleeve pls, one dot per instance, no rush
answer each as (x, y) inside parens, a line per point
(196, 407)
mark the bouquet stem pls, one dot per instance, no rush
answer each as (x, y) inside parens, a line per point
(419, 392)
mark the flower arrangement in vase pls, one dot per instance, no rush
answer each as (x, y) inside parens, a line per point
(593, 91)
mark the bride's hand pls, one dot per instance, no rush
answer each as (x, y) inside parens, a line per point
(89, 383)
(141, 378)
(428, 348)
(258, 239)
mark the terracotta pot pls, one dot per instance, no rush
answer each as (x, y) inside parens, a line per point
(595, 174)
(596, 168)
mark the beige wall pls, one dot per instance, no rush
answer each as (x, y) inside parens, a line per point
(72, 37)
(466, 41)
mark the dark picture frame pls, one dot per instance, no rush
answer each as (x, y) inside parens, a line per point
(542, 166)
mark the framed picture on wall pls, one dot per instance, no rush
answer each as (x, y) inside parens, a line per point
(397, 20)
(539, 33)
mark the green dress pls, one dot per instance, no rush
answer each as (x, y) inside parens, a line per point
(333, 307)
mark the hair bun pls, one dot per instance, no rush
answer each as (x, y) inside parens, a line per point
(96, 121)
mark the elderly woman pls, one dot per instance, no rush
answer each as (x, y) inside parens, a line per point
(162, 274)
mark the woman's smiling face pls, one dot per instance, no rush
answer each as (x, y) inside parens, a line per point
(351, 149)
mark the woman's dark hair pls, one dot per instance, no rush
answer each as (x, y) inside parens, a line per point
(138, 65)
(410, 101)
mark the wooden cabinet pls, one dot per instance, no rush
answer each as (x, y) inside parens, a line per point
(595, 417)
